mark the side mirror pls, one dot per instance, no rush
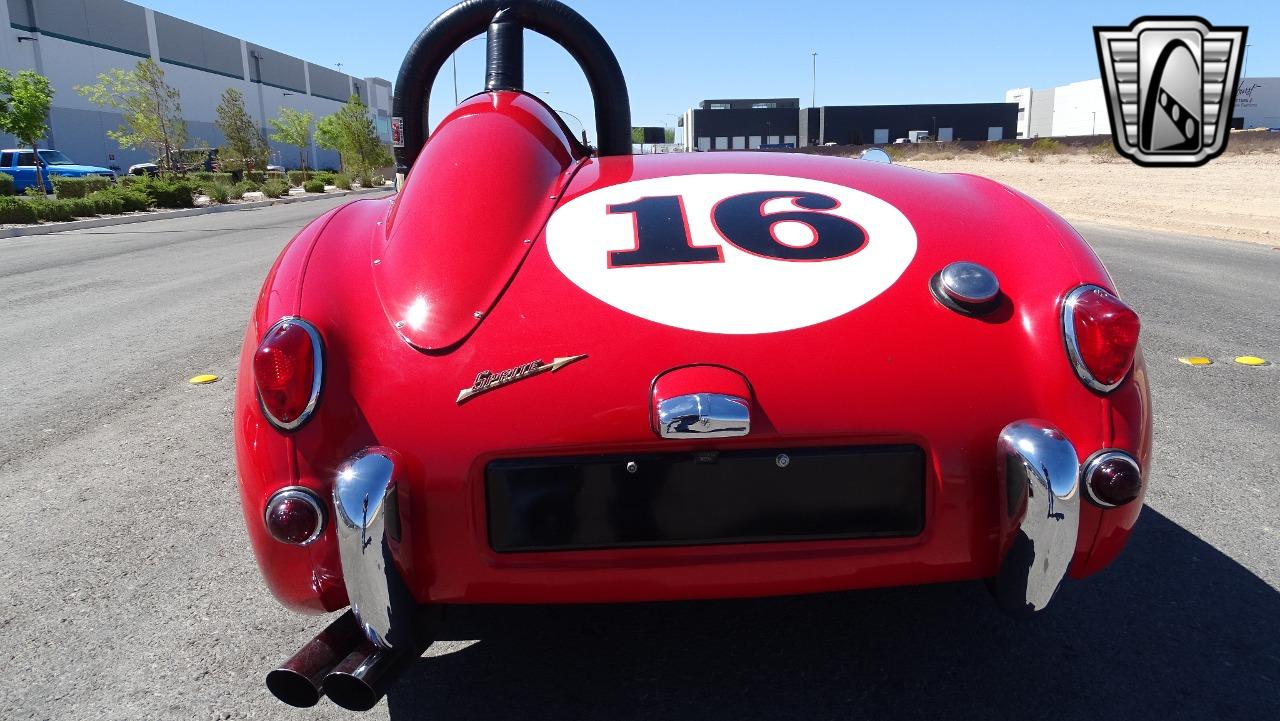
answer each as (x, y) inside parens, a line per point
(875, 155)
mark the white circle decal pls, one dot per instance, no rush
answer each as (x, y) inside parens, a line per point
(731, 253)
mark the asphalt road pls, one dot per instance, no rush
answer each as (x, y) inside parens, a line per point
(127, 589)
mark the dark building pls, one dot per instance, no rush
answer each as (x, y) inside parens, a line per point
(744, 124)
(881, 124)
(748, 124)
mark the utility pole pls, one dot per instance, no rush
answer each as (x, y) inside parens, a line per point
(813, 98)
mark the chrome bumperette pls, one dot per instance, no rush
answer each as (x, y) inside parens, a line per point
(1073, 346)
(367, 523)
(704, 415)
(317, 375)
(1039, 476)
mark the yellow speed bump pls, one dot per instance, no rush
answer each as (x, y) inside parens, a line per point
(1251, 360)
(202, 379)
(1195, 360)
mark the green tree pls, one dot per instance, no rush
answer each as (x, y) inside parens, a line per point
(24, 109)
(152, 110)
(351, 132)
(670, 135)
(294, 128)
(243, 143)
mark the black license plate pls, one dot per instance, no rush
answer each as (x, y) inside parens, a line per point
(705, 498)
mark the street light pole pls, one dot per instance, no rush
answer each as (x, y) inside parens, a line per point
(813, 98)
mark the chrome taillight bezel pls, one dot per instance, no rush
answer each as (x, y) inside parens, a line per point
(1073, 346)
(1091, 464)
(301, 493)
(317, 375)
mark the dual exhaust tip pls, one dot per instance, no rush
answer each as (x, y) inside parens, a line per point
(339, 663)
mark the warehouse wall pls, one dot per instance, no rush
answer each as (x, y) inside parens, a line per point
(1258, 103)
(857, 124)
(72, 41)
(1080, 109)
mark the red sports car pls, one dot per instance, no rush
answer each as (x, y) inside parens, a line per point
(547, 373)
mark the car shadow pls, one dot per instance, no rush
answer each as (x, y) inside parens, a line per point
(1172, 630)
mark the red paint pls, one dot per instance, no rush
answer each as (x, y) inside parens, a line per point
(900, 368)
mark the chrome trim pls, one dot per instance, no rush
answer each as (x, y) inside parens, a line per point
(704, 415)
(302, 493)
(317, 375)
(1073, 348)
(1096, 460)
(969, 283)
(367, 524)
(1039, 477)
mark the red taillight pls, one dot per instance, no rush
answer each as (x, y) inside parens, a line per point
(287, 372)
(1112, 478)
(294, 516)
(1101, 334)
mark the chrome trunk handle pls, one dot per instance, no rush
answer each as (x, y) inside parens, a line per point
(704, 415)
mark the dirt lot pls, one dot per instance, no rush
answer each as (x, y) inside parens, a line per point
(1235, 196)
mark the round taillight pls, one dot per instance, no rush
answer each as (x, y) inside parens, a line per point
(294, 516)
(287, 372)
(1112, 478)
(1101, 334)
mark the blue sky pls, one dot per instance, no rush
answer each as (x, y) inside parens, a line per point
(677, 52)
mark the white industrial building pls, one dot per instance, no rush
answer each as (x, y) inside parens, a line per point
(72, 41)
(1081, 108)
(1074, 109)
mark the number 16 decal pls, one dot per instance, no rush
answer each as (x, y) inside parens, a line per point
(730, 252)
(662, 229)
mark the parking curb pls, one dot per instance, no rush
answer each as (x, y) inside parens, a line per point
(46, 228)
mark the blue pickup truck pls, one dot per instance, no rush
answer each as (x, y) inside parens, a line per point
(21, 164)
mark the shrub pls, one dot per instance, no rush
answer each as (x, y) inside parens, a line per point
(313, 186)
(1046, 145)
(342, 181)
(1104, 152)
(18, 211)
(296, 178)
(80, 207)
(104, 203)
(218, 192)
(6, 184)
(250, 186)
(127, 200)
(236, 191)
(275, 188)
(51, 210)
(325, 177)
(379, 181)
(78, 187)
(255, 176)
(168, 193)
(275, 175)
(366, 180)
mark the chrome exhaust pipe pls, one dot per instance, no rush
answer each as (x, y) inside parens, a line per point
(298, 681)
(360, 681)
